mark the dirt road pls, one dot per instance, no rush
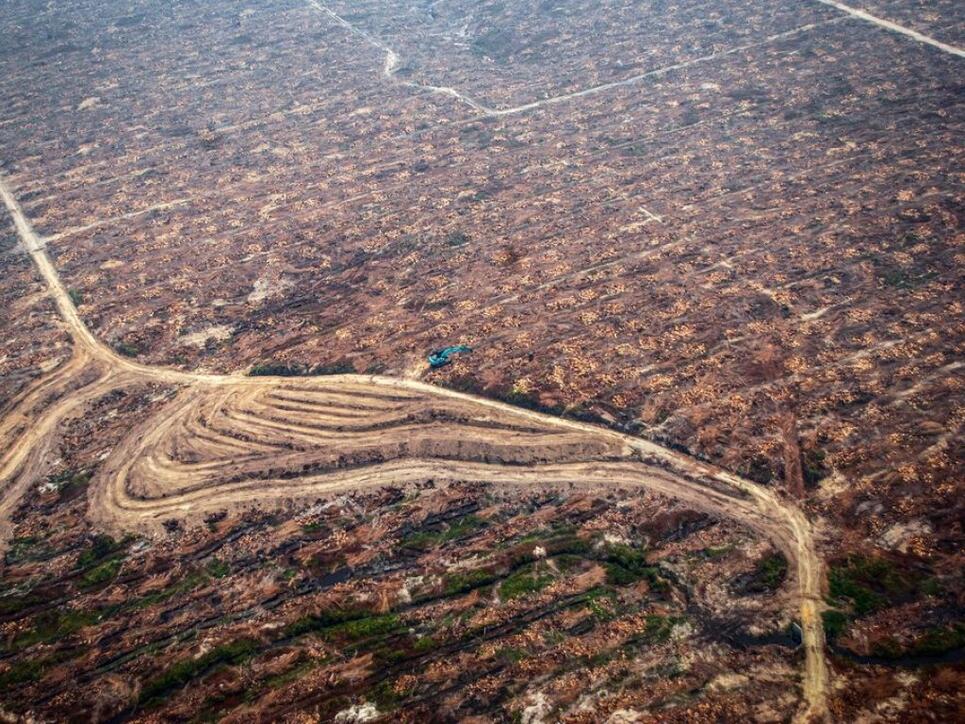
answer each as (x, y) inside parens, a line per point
(393, 61)
(235, 441)
(894, 27)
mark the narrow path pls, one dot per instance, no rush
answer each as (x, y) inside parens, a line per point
(632, 80)
(393, 63)
(27, 428)
(894, 27)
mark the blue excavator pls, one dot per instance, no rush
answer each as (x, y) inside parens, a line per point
(442, 357)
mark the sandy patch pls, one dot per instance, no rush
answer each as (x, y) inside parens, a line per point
(266, 288)
(219, 333)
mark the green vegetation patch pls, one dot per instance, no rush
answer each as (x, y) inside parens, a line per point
(657, 630)
(385, 696)
(23, 672)
(101, 574)
(715, 552)
(542, 534)
(127, 349)
(426, 540)
(835, 622)
(349, 623)
(100, 562)
(293, 674)
(936, 641)
(14, 604)
(498, 44)
(100, 548)
(465, 581)
(940, 640)
(457, 238)
(27, 671)
(218, 568)
(625, 565)
(523, 582)
(898, 278)
(768, 574)
(424, 644)
(602, 603)
(869, 584)
(512, 654)
(192, 580)
(185, 670)
(368, 627)
(26, 549)
(53, 626)
(814, 467)
(70, 483)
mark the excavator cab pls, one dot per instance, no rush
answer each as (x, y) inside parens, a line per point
(442, 357)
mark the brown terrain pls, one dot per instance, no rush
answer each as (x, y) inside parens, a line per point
(704, 462)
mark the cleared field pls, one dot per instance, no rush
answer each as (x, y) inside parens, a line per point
(733, 243)
(255, 442)
(770, 215)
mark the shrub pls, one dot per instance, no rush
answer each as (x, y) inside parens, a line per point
(457, 238)
(218, 568)
(625, 565)
(814, 467)
(834, 623)
(102, 574)
(297, 369)
(127, 349)
(467, 581)
(523, 582)
(101, 546)
(424, 540)
(869, 584)
(181, 672)
(768, 575)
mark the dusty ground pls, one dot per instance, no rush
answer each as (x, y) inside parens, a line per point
(259, 442)
(737, 235)
(224, 444)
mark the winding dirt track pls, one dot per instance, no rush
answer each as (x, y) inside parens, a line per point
(232, 441)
